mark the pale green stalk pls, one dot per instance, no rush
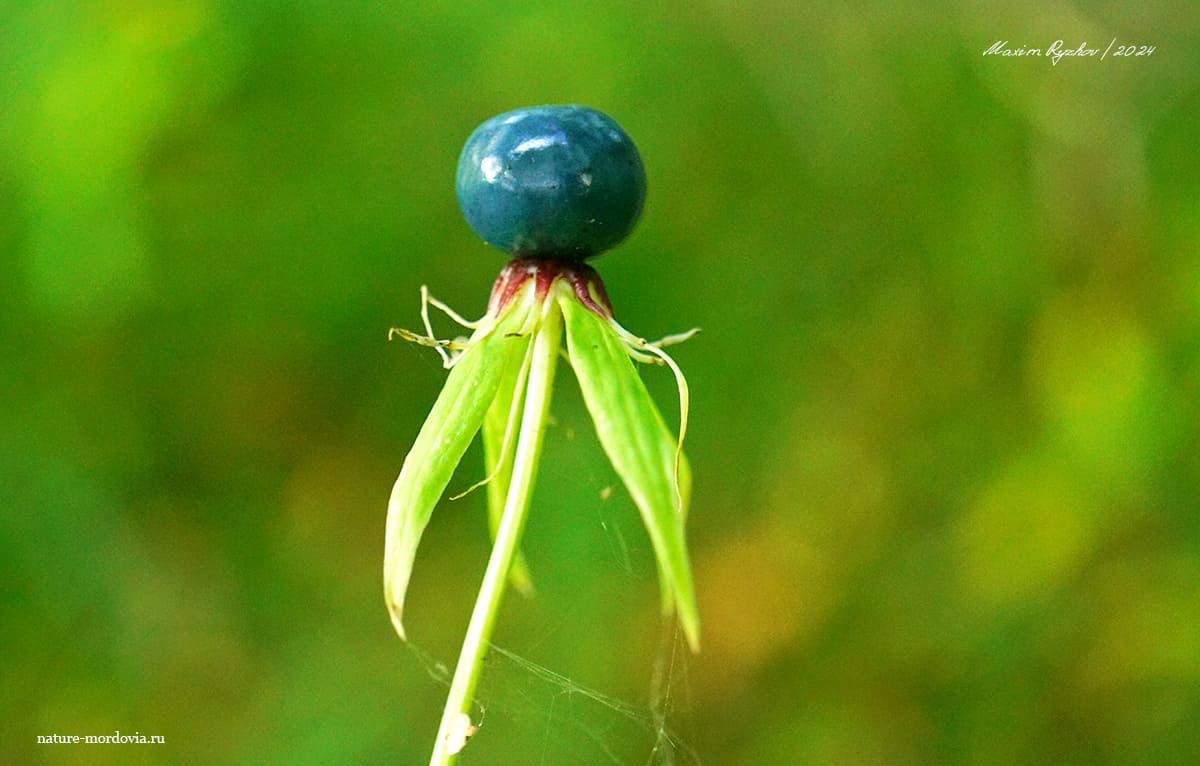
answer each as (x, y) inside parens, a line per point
(546, 343)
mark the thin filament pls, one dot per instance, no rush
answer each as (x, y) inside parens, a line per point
(634, 346)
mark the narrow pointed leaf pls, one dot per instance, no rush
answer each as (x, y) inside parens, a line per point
(641, 448)
(500, 427)
(453, 422)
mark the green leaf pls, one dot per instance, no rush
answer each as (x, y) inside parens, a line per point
(641, 448)
(453, 422)
(500, 427)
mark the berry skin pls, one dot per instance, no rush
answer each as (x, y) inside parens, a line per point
(551, 182)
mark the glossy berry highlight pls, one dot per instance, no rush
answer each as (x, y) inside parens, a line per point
(551, 182)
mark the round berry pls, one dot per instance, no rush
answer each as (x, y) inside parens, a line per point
(562, 182)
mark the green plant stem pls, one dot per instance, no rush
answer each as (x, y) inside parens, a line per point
(547, 340)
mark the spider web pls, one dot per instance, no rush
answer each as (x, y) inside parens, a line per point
(538, 713)
(568, 722)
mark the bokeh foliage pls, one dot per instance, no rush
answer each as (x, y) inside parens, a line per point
(945, 421)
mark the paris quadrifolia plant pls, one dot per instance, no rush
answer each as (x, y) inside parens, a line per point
(551, 186)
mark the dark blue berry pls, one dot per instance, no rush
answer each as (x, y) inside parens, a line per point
(562, 182)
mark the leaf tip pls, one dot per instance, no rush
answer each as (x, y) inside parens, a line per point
(682, 607)
(691, 632)
(395, 607)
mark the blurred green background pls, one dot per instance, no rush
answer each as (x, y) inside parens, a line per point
(945, 405)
